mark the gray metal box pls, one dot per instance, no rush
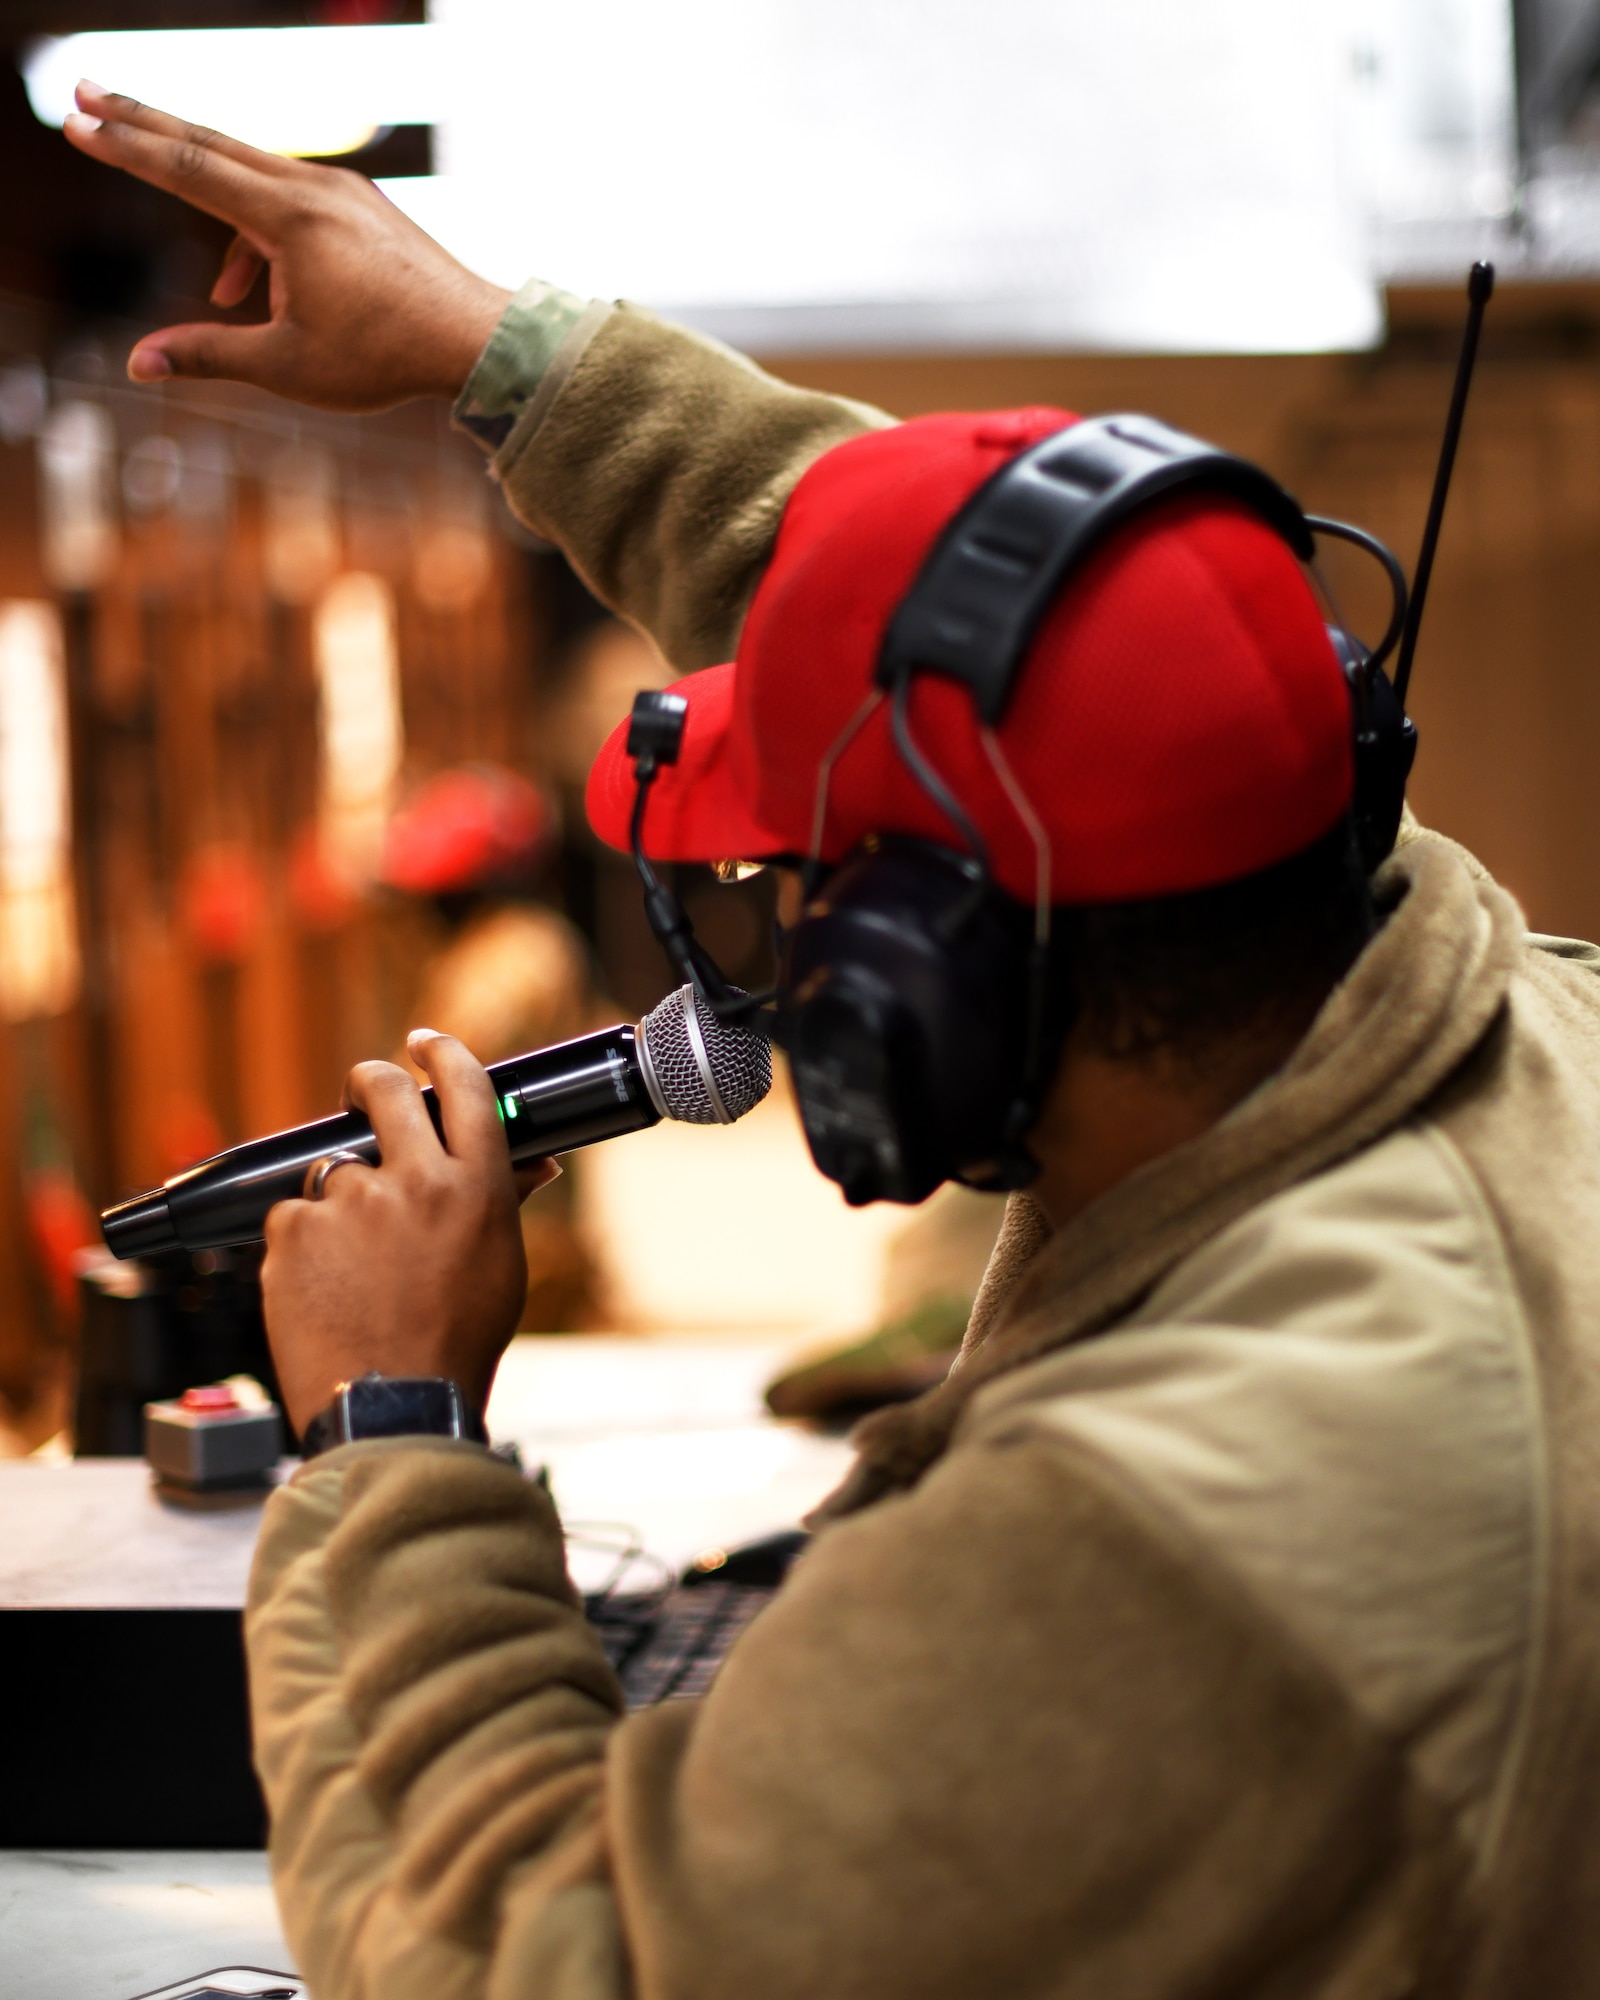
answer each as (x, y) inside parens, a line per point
(212, 1448)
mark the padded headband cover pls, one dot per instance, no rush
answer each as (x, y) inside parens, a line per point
(996, 568)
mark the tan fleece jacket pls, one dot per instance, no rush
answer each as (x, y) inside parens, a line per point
(1227, 1625)
(661, 462)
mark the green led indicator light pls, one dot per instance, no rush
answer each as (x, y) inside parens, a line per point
(508, 1108)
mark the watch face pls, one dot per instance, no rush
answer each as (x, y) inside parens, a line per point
(376, 1406)
(383, 1406)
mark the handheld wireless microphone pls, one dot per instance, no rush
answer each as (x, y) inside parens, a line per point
(680, 1062)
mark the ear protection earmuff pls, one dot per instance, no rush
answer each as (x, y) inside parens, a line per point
(905, 1009)
(922, 1007)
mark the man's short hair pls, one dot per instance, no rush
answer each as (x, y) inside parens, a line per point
(1187, 976)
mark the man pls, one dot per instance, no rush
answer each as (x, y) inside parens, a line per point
(1227, 1623)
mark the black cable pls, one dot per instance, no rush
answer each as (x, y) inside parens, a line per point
(928, 778)
(667, 917)
(671, 926)
(644, 776)
(1344, 532)
(1480, 289)
(211, 1972)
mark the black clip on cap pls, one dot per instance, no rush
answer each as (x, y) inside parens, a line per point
(655, 730)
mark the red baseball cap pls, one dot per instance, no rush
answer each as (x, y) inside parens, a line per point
(1180, 719)
(463, 828)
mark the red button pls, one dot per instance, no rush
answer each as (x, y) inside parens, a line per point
(216, 1398)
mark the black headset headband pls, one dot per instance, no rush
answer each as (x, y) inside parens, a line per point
(997, 567)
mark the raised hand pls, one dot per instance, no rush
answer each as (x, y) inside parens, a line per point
(365, 309)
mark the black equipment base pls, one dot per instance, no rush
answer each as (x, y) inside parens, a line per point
(127, 1729)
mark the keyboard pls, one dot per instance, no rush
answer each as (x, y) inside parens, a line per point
(667, 1645)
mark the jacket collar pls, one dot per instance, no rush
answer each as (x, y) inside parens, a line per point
(1414, 1006)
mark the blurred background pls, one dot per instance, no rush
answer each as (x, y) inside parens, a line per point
(294, 718)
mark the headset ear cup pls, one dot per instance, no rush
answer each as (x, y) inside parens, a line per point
(904, 1005)
(863, 1087)
(1384, 747)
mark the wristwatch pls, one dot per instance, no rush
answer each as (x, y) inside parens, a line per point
(380, 1406)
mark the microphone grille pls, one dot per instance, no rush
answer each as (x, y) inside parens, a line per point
(683, 1043)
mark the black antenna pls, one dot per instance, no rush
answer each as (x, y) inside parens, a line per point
(1480, 288)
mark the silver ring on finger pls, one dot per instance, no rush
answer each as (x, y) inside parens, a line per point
(316, 1182)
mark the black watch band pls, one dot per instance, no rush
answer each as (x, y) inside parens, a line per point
(376, 1406)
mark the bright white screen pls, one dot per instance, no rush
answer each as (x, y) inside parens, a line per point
(1158, 174)
(1163, 174)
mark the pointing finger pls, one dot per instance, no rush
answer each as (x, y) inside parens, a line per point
(110, 107)
(212, 173)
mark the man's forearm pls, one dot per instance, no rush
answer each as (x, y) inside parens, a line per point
(660, 462)
(921, 1775)
(431, 1713)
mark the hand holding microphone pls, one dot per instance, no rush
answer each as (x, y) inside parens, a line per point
(409, 1260)
(411, 1267)
(680, 1062)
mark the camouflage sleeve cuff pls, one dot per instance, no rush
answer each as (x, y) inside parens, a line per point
(531, 332)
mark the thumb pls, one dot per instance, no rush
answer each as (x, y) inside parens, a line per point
(254, 354)
(537, 1174)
